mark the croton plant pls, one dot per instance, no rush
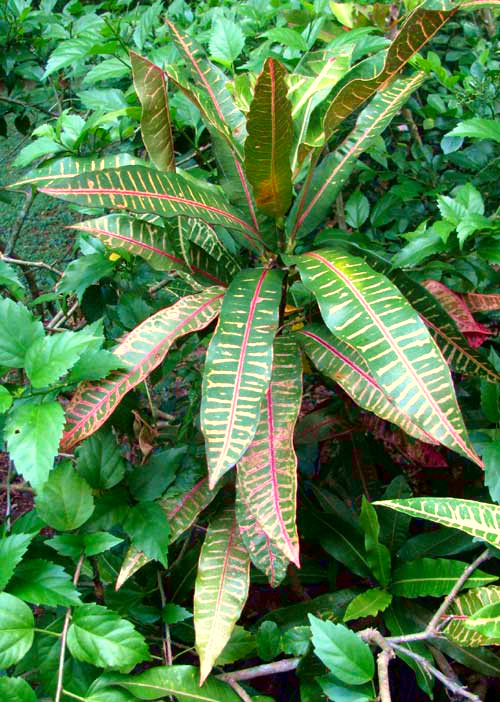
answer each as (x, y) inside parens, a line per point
(283, 153)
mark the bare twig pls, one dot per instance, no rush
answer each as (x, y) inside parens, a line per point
(457, 689)
(27, 106)
(32, 264)
(166, 642)
(239, 690)
(259, 671)
(60, 318)
(10, 244)
(383, 660)
(67, 619)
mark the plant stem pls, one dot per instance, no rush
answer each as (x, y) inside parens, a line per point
(450, 684)
(383, 660)
(259, 671)
(26, 106)
(75, 697)
(32, 264)
(48, 632)
(64, 635)
(239, 690)
(167, 645)
(10, 245)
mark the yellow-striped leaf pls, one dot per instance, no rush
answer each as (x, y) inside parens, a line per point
(267, 473)
(312, 206)
(263, 554)
(364, 309)
(465, 606)
(140, 189)
(269, 142)
(141, 352)
(475, 518)
(156, 129)
(182, 510)
(238, 367)
(69, 167)
(134, 560)
(221, 588)
(342, 363)
(486, 621)
(423, 23)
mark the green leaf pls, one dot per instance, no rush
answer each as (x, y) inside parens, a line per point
(486, 621)
(434, 577)
(398, 349)
(313, 205)
(266, 474)
(342, 542)
(357, 209)
(288, 37)
(238, 367)
(99, 636)
(368, 604)
(241, 646)
(477, 128)
(99, 460)
(5, 399)
(377, 555)
(269, 142)
(110, 69)
(463, 607)
(141, 352)
(268, 641)
(221, 589)
(33, 432)
(148, 528)
(35, 150)
(143, 190)
(68, 53)
(173, 614)
(94, 365)
(491, 457)
(16, 690)
(66, 500)
(10, 280)
(338, 692)
(181, 681)
(152, 479)
(43, 583)
(226, 41)
(19, 331)
(84, 272)
(435, 543)
(475, 518)
(151, 88)
(16, 629)
(341, 650)
(295, 641)
(12, 549)
(52, 356)
(423, 23)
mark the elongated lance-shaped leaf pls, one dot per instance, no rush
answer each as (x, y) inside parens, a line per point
(463, 607)
(134, 560)
(478, 519)
(238, 367)
(141, 351)
(140, 238)
(206, 238)
(313, 203)
(183, 510)
(269, 142)
(423, 23)
(454, 347)
(263, 553)
(156, 129)
(347, 367)
(221, 588)
(267, 473)
(364, 309)
(211, 79)
(70, 167)
(140, 189)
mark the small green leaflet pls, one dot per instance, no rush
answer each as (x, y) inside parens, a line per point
(33, 432)
(12, 549)
(43, 583)
(5, 399)
(66, 501)
(368, 604)
(463, 607)
(226, 41)
(16, 629)
(149, 530)
(377, 555)
(486, 621)
(100, 637)
(19, 331)
(341, 650)
(16, 690)
(99, 460)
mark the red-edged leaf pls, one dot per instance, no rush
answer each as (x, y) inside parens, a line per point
(151, 88)
(397, 442)
(474, 332)
(480, 302)
(238, 367)
(141, 351)
(267, 473)
(269, 142)
(140, 189)
(183, 509)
